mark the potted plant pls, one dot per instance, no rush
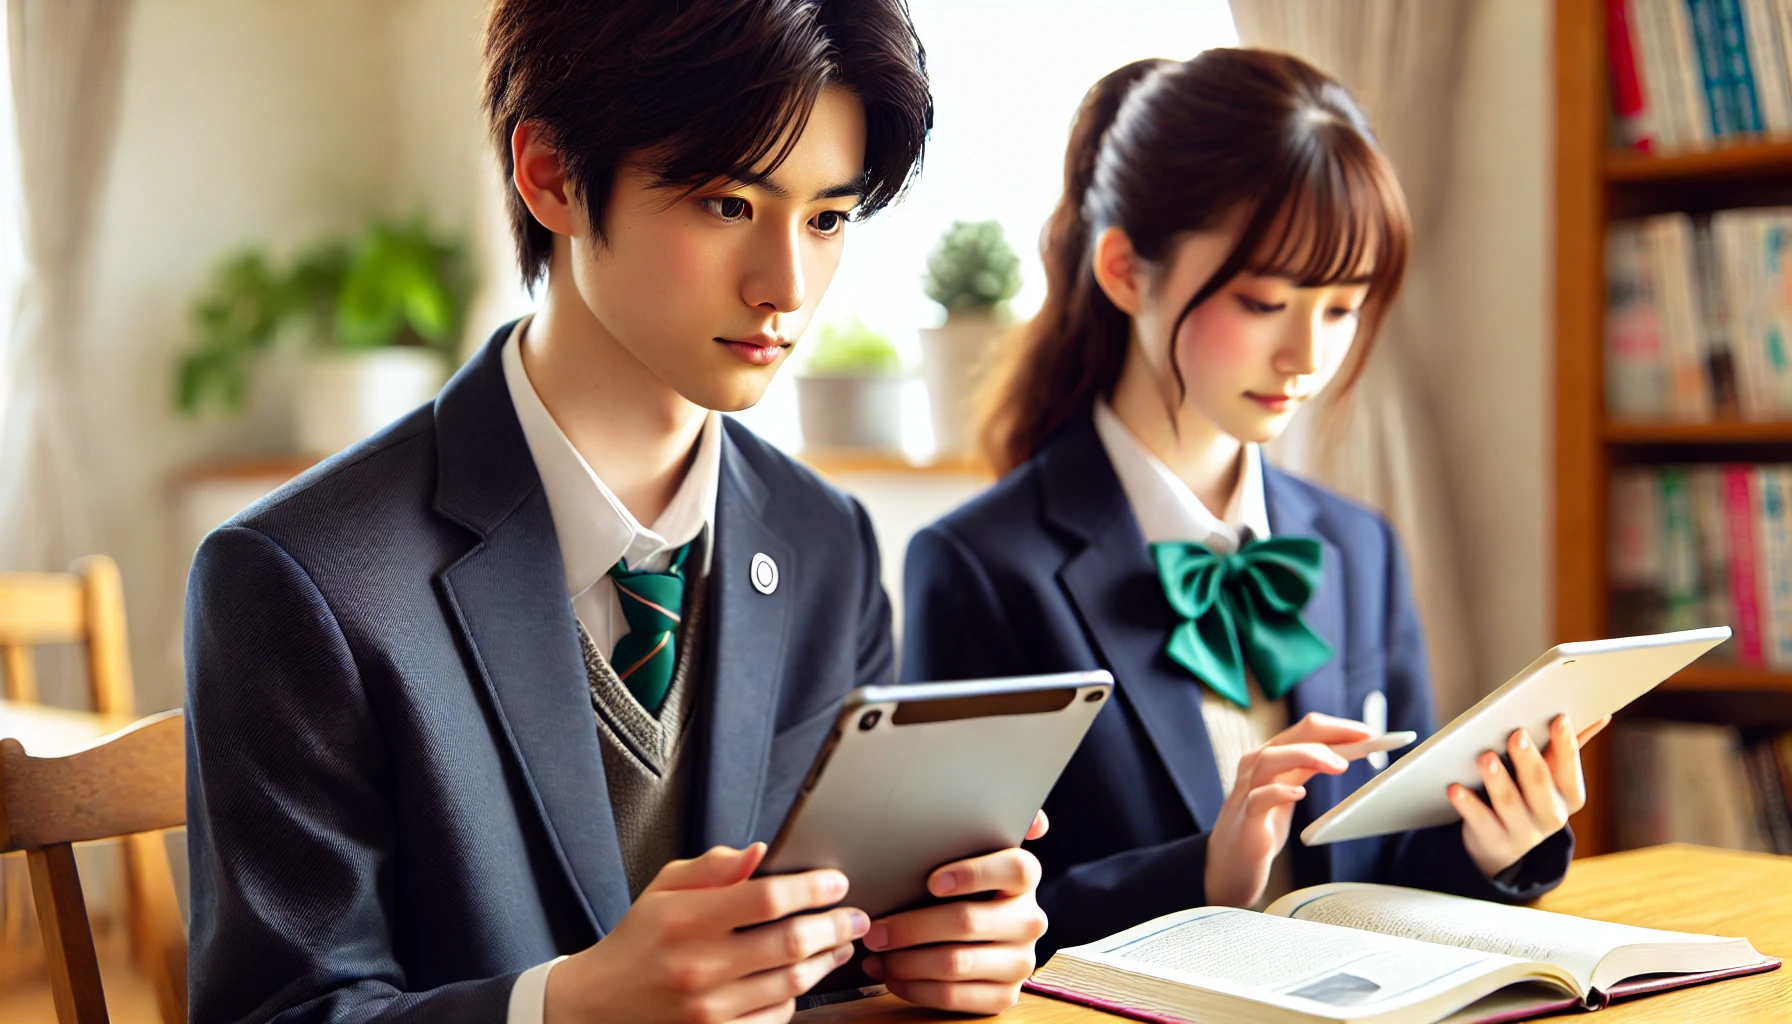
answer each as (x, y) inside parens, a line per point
(849, 393)
(382, 314)
(972, 274)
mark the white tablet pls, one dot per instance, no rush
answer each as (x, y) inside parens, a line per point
(914, 777)
(1582, 680)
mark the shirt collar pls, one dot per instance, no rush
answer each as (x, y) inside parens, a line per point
(1165, 507)
(595, 530)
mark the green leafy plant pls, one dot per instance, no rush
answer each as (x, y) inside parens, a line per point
(851, 349)
(973, 270)
(397, 283)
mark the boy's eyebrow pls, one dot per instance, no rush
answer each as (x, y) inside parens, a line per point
(854, 189)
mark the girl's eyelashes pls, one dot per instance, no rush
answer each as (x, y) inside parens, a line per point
(731, 209)
(1258, 306)
(1343, 312)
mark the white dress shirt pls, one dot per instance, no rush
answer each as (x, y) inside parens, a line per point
(1168, 510)
(595, 531)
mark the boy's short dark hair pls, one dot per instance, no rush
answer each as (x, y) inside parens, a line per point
(697, 89)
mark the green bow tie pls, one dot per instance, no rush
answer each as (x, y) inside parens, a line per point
(1243, 609)
(652, 602)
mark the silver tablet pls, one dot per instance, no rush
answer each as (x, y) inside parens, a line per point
(1581, 680)
(914, 777)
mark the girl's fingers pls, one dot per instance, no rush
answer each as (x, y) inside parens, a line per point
(1592, 730)
(1536, 783)
(1039, 826)
(1479, 817)
(1502, 793)
(1317, 728)
(1269, 763)
(1563, 756)
(1265, 799)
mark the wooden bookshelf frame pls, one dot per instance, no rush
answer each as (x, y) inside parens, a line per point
(1593, 186)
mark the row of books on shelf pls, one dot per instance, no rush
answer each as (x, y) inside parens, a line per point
(1705, 545)
(1688, 74)
(1698, 318)
(1715, 785)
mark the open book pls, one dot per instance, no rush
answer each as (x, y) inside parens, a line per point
(1349, 951)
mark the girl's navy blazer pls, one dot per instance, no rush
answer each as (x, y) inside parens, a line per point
(1048, 572)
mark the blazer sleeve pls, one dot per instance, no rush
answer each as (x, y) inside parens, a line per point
(1436, 858)
(290, 830)
(953, 622)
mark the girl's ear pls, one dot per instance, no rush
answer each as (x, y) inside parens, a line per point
(1119, 271)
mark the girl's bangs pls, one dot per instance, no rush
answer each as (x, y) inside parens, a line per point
(1341, 220)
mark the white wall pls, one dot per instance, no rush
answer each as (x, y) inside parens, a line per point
(243, 121)
(1490, 387)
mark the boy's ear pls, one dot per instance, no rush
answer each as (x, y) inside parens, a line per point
(540, 179)
(1118, 270)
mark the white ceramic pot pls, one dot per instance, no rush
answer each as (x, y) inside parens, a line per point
(954, 357)
(349, 395)
(851, 412)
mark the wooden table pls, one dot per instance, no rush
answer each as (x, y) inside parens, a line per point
(1681, 888)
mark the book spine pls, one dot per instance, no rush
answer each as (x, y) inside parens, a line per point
(1739, 64)
(1708, 51)
(1635, 360)
(1679, 551)
(1772, 262)
(1663, 80)
(1732, 233)
(1713, 528)
(1629, 101)
(1776, 610)
(1636, 549)
(1714, 318)
(1776, 816)
(1671, 283)
(1768, 59)
(1781, 12)
(1744, 591)
(1684, 55)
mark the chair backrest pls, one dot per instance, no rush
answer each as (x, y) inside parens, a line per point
(84, 607)
(131, 781)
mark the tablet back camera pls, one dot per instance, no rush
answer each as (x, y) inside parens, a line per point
(868, 721)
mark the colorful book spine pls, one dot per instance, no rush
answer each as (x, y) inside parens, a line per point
(1714, 319)
(1708, 50)
(1683, 58)
(1774, 545)
(1745, 594)
(1767, 58)
(1671, 284)
(1711, 523)
(1635, 359)
(1629, 102)
(1744, 103)
(1681, 595)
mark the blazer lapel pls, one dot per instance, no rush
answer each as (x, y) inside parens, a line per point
(508, 599)
(748, 633)
(1293, 513)
(1113, 584)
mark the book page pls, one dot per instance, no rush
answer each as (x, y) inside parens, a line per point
(1576, 944)
(1313, 967)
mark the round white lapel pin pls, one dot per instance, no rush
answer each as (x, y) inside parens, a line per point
(764, 573)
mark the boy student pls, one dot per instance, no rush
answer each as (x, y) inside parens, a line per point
(456, 708)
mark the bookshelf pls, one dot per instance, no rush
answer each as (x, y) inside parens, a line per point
(1595, 185)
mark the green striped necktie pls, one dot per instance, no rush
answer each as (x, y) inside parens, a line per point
(652, 602)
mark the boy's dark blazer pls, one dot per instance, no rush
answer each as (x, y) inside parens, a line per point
(396, 800)
(1048, 572)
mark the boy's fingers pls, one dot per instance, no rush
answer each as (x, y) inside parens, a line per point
(1004, 961)
(796, 939)
(1009, 872)
(717, 866)
(970, 997)
(759, 900)
(1000, 920)
(1039, 826)
(774, 988)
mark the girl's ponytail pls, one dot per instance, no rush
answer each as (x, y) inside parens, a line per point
(1072, 349)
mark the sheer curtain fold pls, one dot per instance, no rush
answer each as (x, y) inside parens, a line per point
(66, 68)
(1401, 58)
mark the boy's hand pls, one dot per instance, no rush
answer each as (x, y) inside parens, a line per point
(1253, 822)
(707, 942)
(1515, 817)
(967, 956)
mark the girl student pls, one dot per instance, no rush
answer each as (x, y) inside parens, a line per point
(1229, 238)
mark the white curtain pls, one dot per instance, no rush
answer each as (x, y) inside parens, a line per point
(1401, 59)
(67, 64)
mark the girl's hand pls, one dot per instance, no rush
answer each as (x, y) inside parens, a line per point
(1517, 816)
(1253, 822)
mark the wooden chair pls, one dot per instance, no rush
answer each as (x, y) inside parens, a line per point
(86, 607)
(128, 783)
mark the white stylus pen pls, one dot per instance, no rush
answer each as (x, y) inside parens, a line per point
(1386, 741)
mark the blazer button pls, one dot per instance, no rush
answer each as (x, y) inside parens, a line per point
(764, 573)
